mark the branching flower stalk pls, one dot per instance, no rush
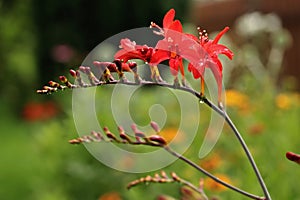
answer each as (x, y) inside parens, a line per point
(201, 98)
(156, 141)
(216, 109)
(164, 178)
(201, 53)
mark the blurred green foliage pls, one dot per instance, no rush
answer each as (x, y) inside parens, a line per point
(18, 41)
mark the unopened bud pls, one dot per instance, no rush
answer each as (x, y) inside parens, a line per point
(63, 79)
(175, 177)
(158, 139)
(54, 84)
(49, 89)
(123, 135)
(75, 141)
(163, 174)
(110, 134)
(82, 69)
(73, 73)
(133, 127)
(77, 73)
(132, 64)
(140, 134)
(42, 91)
(155, 126)
(293, 157)
(118, 64)
(97, 135)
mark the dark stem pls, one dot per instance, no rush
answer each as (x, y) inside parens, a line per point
(219, 111)
(243, 144)
(190, 185)
(191, 163)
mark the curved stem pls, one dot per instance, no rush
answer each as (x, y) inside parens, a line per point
(190, 185)
(216, 109)
(191, 163)
(243, 144)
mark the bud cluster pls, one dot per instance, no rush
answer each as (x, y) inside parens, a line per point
(102, 75)
(157, 178)
(139, 138)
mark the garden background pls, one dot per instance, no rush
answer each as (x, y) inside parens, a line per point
(40, 40)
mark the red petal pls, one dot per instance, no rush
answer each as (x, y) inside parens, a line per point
(181, 67)
(217, 49)
(176, 26)
(218, 37)
(192, 36)
(159, 56)
(127, 44)
(168, 18)
(197, 72)
(174, 66)
(216, 69)
(120, 54)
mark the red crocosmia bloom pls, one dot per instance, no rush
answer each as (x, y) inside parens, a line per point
(169, 47)
(208, 58)
(130, 50)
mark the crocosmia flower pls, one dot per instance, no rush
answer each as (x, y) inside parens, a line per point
(201, 52)
(169, 47)
(130, 50)
(208, 58)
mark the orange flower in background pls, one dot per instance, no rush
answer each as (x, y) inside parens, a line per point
(283, 101)
(110, 196)
(210, 184)
(212, 162)
(237, 99)
(171, 134)
(39, 111)
(257, 129)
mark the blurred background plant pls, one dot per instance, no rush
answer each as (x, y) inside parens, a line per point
(43, 39)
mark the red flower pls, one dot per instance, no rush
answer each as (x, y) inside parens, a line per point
(206, 55)
(175, 46)
(130, 50)
(39, 111)
(169, 48)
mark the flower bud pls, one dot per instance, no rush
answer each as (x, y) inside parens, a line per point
(155, 126)
(73, 73)
(293, 157)
(63, 79)
(157, 139)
